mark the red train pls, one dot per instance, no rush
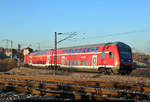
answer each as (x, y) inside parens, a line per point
(115, 57)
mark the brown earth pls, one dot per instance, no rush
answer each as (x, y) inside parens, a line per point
(83, 75)
(7, 64)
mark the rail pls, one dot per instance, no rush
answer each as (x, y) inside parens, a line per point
(85, 89)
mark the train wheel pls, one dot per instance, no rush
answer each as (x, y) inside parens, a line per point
(129, 71)
(101, 70)
(122, 72)
(109, 71)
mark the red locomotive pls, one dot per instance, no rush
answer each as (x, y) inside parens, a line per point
(109, 58)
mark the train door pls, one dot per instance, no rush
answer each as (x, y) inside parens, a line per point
(110, 58)
(63, 60)
(48, 59)
(94, 60)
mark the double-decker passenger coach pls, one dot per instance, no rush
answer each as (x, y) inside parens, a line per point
(106, 58)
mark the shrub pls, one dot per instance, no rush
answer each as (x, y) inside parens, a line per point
(7, 64)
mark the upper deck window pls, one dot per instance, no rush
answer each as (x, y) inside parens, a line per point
(76, 50)
(96, 49)
(66, 51)
(80, 50)
(72, 51)
(69, 51)
(93, 49)
(84, 50)
(88, 50)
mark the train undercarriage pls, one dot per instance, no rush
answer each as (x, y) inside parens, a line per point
(122, 70)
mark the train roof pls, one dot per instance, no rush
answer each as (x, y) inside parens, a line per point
(81, 46)
(92, 45)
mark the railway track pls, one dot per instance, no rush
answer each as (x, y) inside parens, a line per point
(70, 88)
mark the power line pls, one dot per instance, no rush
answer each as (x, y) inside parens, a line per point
(121, 33)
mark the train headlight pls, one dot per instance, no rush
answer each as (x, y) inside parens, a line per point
(116, 63)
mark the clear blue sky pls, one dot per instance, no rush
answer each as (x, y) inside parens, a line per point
(31, 21)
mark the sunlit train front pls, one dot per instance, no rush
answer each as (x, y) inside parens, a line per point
(108, 58)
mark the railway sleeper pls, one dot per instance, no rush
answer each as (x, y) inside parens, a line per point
(74, 87)
(97, 91)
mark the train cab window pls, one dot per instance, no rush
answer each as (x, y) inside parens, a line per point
(76, 50)
(110, 54)
(103, 55)
(93, 49)
(79, 62)
(84, 50)
(69, 51)
(87, 62)
(96, 49)
(88, 50)
(80, 50)
(72, 51)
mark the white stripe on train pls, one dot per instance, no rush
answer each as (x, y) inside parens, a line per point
(68, 66)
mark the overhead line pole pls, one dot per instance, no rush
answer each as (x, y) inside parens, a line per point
(55, 50)
(11, 49)
(19, 56)
(38, 46)
(55, 53)
(6, 42)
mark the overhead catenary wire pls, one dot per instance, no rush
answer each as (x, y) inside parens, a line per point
(121, 33)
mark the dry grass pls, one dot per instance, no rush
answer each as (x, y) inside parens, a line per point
(7, 64)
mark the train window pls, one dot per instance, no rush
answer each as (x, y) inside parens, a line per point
(92, 50)
(58, 57)
(96, 49)
(69, 51)
(88, 50)
(84, 50)
(103, 55)
(82, 62)
(66, 51)
(76, 50)
(78, 62)
(80, 50)
(72, 50)
(67, 62)
(71, 63)
(87, 62)
(75, 63)
(110, 54)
